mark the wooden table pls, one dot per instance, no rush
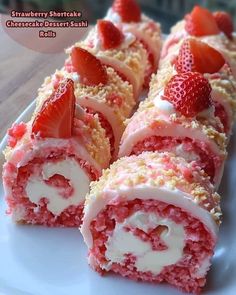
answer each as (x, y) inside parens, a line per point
(22, 71)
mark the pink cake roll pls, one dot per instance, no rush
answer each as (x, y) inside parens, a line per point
(179, 120)
(127, 15)
(153, 217)
(202, 24)
(127, 56)
(112, 100)
(194, 55)
(51, 160)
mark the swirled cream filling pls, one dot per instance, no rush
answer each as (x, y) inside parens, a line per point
(123, 242)
(37, 187)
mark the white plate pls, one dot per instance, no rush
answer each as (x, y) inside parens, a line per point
(51, 261)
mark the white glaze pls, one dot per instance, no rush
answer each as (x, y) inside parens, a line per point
(169, 129)
(37, 148)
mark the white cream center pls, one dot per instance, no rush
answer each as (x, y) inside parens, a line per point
(37, 189)
(113, 16)
(124, 242)
(163, 105)
(187, 155)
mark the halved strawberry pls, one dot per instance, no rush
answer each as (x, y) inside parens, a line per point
(224, 22)
(109, 34)
(128, 10)
(189, 93)
(200, 22)
(90, 69)
(55, 119)
(197, 56)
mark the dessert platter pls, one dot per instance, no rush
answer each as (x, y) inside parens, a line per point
(105, 194)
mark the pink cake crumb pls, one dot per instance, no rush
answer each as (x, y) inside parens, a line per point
(15, 133)
(208, 161)
(114, 99)
(38, 214)
(199, 244)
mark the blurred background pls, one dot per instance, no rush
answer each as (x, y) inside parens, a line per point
(165, 11)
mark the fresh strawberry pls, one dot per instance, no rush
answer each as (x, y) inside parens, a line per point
(197, 56)
(109, 34)
(200, 22)
(189, 93)
(128, 10)
(90, 69)
(55, 119)
(224, 22)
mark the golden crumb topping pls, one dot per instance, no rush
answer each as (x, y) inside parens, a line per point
(160, 170)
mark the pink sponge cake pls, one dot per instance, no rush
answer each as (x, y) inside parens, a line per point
(179, 120)
(51, 160)
(153, 217)
(99, 90)
(194, 55)
(127, 15)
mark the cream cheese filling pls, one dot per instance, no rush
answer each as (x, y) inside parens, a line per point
(37, 188)
(124, 242)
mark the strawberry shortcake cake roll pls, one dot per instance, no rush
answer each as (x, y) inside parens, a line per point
(155, 218)
(180, 120)
(215, 29)
(194, 55)
(99, 90)
(120, 50)
(109, 68)
(127, 15)
(51, 160)
(127, 41)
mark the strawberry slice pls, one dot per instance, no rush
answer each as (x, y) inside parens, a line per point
(197, 56)
(55, 119)
(200, 22)
(189, 93)
(110, 36)
(90, 69)
(224, 22)
(128, 10)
